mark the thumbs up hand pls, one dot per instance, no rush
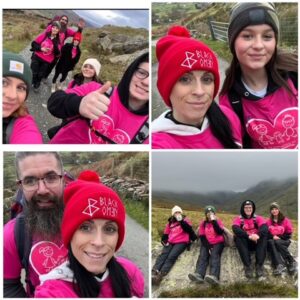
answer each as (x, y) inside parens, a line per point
(95, 104)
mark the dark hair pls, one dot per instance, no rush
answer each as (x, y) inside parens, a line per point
(280, 64)
(221, 126)
(79, 79)
(86, 286)
(123, 86)
(280, 218)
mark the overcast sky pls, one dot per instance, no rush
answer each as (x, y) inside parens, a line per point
(131, 18)
(219, 171)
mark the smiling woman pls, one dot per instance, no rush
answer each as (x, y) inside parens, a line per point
(93, 229)
(18, 125)
(188, 80)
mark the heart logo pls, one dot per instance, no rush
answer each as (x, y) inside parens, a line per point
(283, 133)
(106, 127)
(45, 256)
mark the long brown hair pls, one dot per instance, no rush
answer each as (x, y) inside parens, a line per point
(279, 219)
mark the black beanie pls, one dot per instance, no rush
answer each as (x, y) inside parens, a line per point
(15, 65)
(244, 14)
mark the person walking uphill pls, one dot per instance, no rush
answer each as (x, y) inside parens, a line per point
(70, 55)
(280, 233)
(18, 126)
(262, 80)
(178, 235)
(93, 229)
(250, 234)
(212, 244)
(188, 80)
(45, 49)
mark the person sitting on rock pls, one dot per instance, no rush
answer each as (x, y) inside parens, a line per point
(280, 232)
(250, 234)
(177, 236)
(212, 244)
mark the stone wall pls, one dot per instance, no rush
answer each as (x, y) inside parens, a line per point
(232, 270)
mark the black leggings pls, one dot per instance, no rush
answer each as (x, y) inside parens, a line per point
(64, 75)
(278, 250)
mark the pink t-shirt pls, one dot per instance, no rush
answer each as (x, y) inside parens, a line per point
(203, 140)
(176, 233)
(25, 131)
(47, 56)
(64, 289)
(44, 256)
(271, 122)
(279, 229)
(210, 234)
(118, 124)
(249, 224)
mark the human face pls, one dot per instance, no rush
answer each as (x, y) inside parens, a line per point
(38, 166)
(94, 243)
(248, 209)
(88, 71)
(14, 93)
(54, 30)
(64, 21)
(192, 96)
(255, 46)
(139, 85)
(75, 42)
(275, 211)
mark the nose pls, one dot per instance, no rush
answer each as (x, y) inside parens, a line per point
(42, 188)
(145, 81)
(97, 239)
(198, 87)
(258, 42)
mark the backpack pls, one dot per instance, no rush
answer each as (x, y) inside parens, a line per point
(23, 239)
(9, 129)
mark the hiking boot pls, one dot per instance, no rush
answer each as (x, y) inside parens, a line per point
(196, 277)
(248, 272)
(53, 87)
(292, 266)
(156, 279)
(211, 279)
(154, 272)
(36, 87)
(45, 80)
(259, 271)
(279, 270)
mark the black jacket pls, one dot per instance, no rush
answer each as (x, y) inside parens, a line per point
(66, 63)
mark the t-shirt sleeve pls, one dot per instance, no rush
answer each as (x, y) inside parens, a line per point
(11, 263)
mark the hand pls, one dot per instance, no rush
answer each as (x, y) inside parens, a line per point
(45, 49)
(275, 237)
(95, 104)
(165, 244)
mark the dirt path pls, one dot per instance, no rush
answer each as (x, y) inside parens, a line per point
(37, 101)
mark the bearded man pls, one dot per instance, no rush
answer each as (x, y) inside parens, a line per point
(40, 178)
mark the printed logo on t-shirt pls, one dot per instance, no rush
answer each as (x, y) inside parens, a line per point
(45, 256)
(105, 126)
(48, 45)
(283, 133)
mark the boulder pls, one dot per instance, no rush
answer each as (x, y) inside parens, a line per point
(232, 269)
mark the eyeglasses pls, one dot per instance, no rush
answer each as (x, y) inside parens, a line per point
(31, 183)
(141, 73)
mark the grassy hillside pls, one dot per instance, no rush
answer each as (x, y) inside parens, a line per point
(16, 36)
(160, 217)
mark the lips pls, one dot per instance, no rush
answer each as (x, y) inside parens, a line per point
(95, 256)
(140, 89)
(45, 204)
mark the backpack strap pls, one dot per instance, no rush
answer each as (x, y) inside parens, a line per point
(9, 130)
(142, 134)
(254, 221)
(236, 104)
(23, 243)
(242, 221)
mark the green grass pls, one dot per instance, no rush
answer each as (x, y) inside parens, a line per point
(237, 290)
(138, 211)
